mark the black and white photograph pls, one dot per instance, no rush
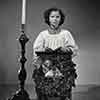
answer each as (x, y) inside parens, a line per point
(49, 50)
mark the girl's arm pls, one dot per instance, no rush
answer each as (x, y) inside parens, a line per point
(38, 46)
(70, 43)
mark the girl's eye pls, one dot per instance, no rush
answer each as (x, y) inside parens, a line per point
(52, 16)
(57, 16)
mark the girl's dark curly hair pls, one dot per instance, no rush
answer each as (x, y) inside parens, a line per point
(48, 12)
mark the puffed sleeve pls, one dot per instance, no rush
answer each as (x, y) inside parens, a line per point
(70, 43)
(38, 44)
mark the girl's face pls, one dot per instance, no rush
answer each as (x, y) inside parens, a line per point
(54, 19)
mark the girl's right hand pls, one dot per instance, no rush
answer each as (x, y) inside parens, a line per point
(48, 49)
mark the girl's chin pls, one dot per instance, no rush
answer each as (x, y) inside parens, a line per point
(54, 27)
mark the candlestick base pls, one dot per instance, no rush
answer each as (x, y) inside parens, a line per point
(21, 94)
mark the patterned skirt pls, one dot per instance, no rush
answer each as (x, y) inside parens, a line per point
(55, 86)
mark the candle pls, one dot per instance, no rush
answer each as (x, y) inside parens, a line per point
(23, 11)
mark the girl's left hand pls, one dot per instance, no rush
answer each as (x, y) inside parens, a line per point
(65, 49)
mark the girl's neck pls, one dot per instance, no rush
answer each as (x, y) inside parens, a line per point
(54, 30)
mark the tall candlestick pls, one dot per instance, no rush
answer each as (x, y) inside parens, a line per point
(23, 11)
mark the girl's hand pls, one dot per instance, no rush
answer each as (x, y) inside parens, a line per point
(63, 49)
(67, 49)
(48, 49)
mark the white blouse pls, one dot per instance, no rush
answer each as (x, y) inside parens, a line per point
(54, 41)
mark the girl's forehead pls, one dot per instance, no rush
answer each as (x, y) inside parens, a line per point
(54, 13)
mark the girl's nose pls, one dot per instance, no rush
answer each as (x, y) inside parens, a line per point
(55, 18)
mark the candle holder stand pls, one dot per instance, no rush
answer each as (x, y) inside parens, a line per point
(21, 94)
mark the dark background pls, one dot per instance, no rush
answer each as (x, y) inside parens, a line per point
(82, 19)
